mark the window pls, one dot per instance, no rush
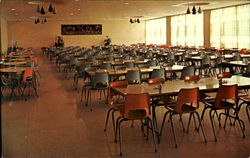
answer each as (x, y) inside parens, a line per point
(156, 31)
(230, 27)
(187, 30)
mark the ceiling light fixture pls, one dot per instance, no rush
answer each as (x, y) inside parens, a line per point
(37, 21)
(136, 20)
(194, 11)
(42, 11)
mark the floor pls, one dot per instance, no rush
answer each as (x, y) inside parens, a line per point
(57, 125)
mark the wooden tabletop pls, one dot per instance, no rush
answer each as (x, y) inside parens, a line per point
(14, 63)
(173, 87)
(236, 63)
(114, 72)
(13, 69)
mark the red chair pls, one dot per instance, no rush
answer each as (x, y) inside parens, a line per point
(136, 107)
(187, 103)
(156, 81)
(226, 99)
(28, 80)
(224, 75)
(113, 101)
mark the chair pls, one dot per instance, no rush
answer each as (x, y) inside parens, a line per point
(247, 72)
(136, 107)
(86, 82)
(80, 73)
(187, 103)
(218, 65)
(129, 64)
(109, 58)
(226, 99)
(106, 66)
(28, 80)
(187, 71)
(133, 76)
(100, 81)
(152, 63)
(205, 66)
(158, 73)
(114, 104)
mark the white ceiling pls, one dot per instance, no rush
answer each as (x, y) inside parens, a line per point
(75, 10)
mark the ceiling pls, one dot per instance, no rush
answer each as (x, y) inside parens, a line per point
(76, 10)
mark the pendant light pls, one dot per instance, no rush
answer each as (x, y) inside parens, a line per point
(50, 8)
(193, 10)
(42, 11)
(199, 10)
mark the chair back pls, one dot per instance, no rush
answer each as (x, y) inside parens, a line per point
(158, 73)
(206, 61)
(116, 84)
(247, 72)
(187, 96)
(156, 81)
(224, 93)
(106, 66)
(100, 80)
(129, 64)
(153, 63)
(187, 71)
(133, 77)
(109, 58)
(236, 57)
(136, 106)
(28, 74)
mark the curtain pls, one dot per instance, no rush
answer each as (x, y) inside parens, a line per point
(156, 31)
(230, 27)
(187, 30)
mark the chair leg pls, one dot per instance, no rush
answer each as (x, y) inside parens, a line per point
(173, 129)
(82, 92)
(190, 115)
(107, 118)
(196, 128)
(182, 122)
(153, 131)
(200, 125)
(211, 119)
(163, 121)
(247, 110)
(242, 127)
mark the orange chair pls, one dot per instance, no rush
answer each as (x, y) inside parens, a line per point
(226, 99)
(220, 76)
(224, 75)
(111, 101)
(28, 80)
(136, 107)
(187, 102)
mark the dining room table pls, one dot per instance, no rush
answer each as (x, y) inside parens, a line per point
(173, 87)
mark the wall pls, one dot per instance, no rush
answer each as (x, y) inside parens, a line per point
(3, 35)
(28, 34)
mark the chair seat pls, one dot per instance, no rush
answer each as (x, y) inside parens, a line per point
(185, 108)
(224, 105)
(166, 101)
